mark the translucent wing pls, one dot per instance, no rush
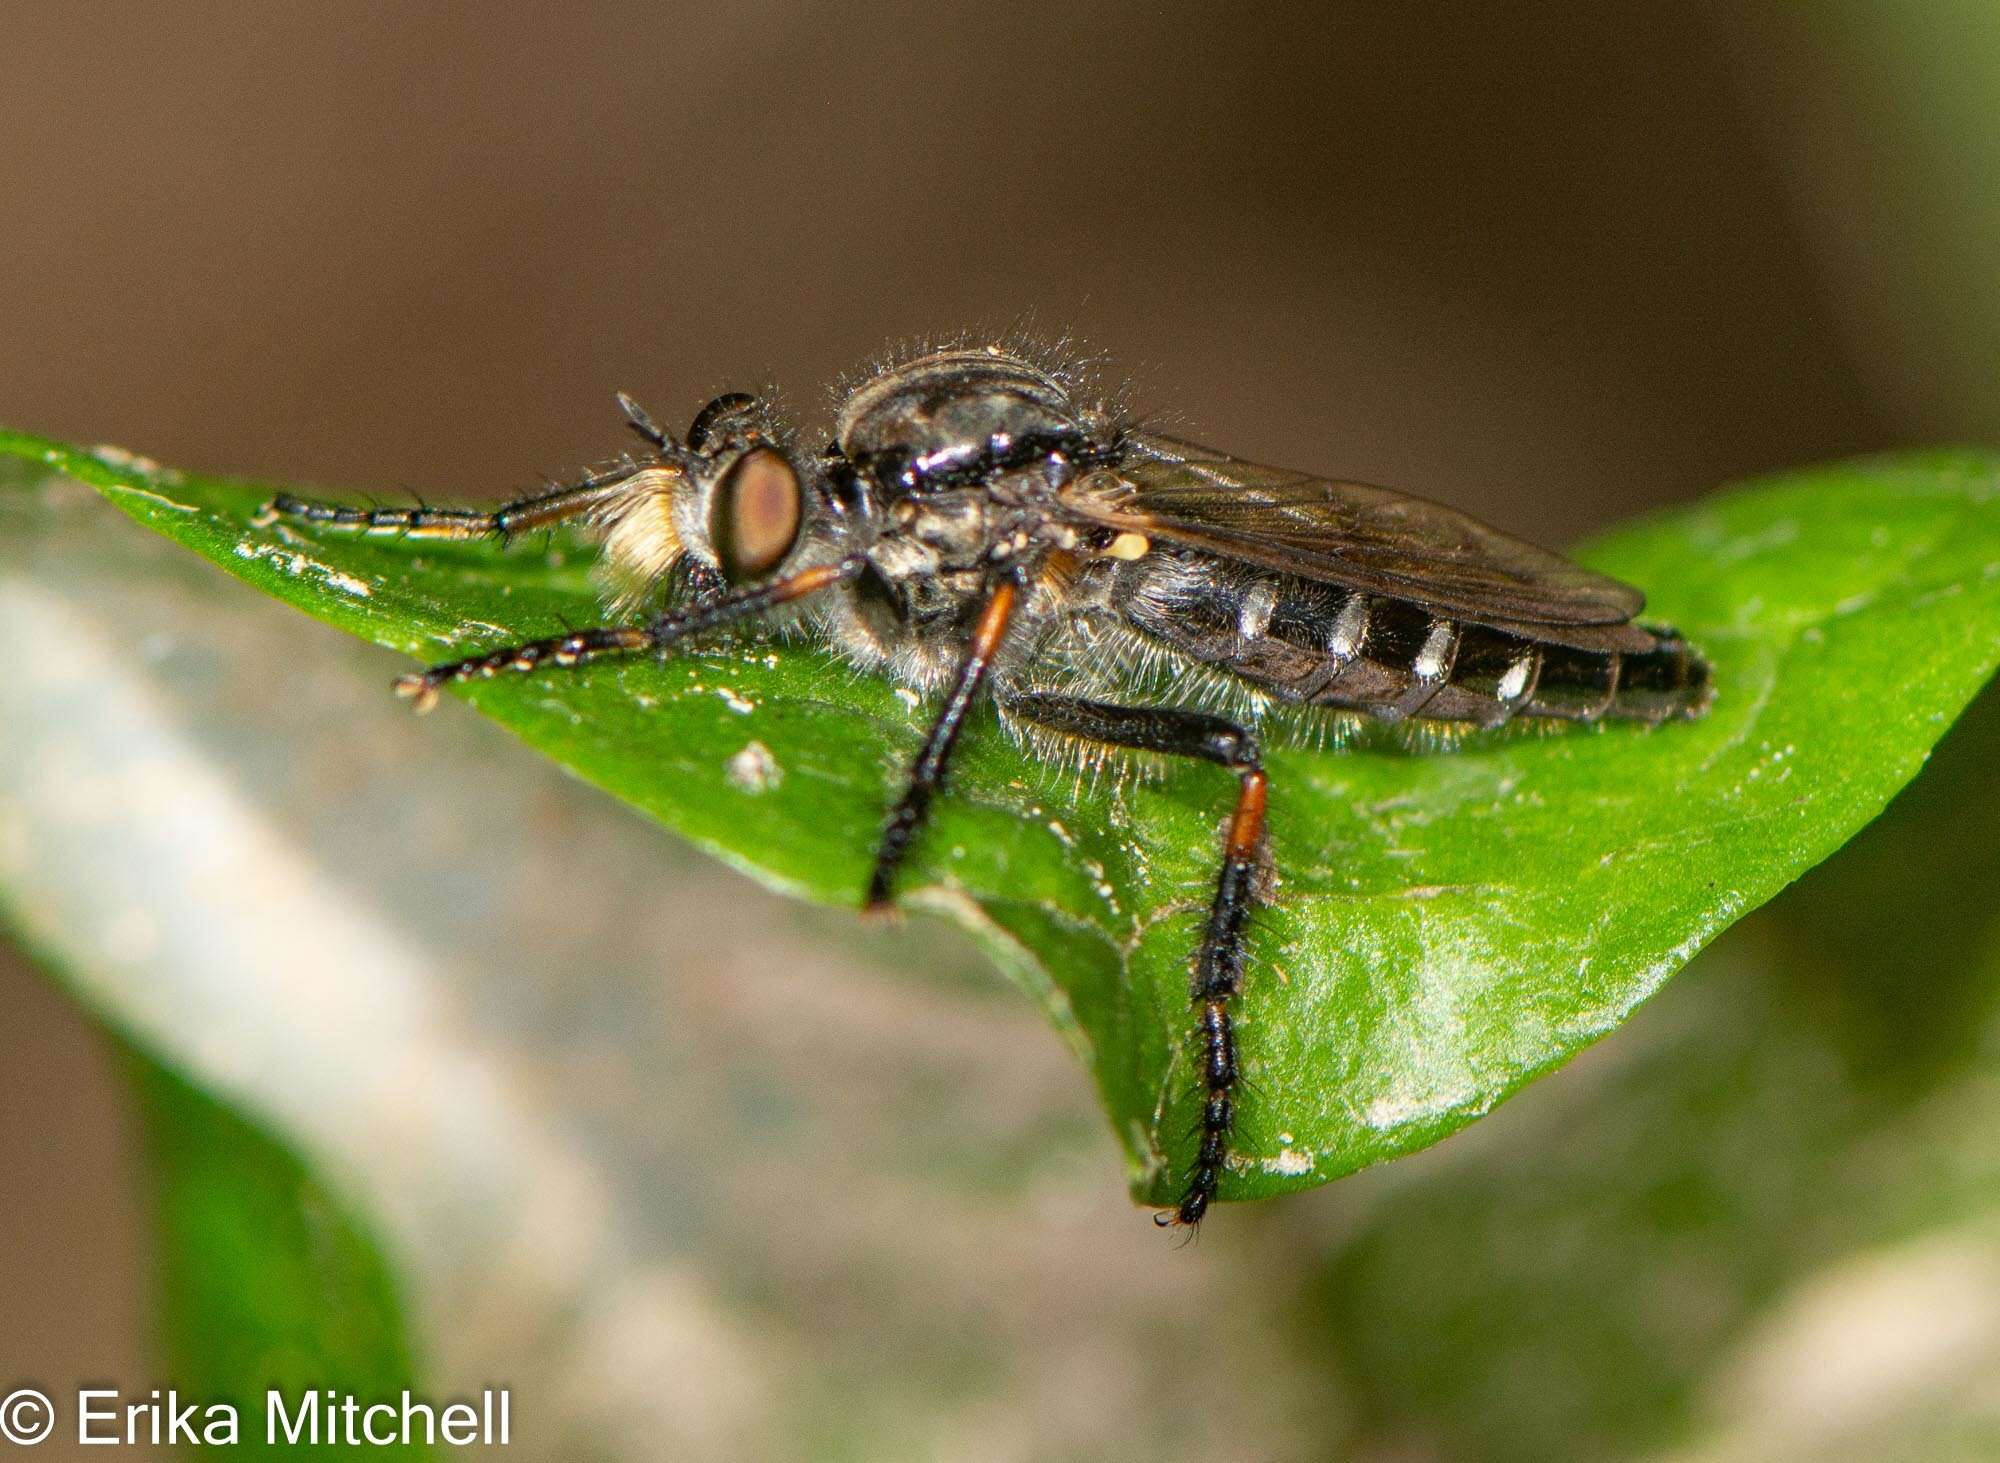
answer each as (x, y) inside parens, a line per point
(1346, 533)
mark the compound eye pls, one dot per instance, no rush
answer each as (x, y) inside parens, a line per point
(754, 516)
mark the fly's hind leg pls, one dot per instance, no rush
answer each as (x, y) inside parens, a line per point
(1218, 967)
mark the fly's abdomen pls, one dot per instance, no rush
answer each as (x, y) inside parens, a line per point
(1319, 644)
(1501, 676)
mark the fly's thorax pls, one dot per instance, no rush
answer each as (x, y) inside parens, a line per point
(954, 530)
(946, 467)
(927, 573)
(932, 555)
(962, 416)
(932, 561)
(904, 615)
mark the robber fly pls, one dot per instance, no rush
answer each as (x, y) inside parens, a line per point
(981, 522)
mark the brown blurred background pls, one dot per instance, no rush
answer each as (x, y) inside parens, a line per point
(1544, 260)
(1557, 263)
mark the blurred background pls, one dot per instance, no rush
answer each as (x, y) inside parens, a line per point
(1555, 263)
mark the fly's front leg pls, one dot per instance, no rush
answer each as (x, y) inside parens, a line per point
(1218, 966)
(542, 510)
(583, 499)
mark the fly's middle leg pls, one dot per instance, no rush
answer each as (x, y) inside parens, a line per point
(580, 647)
(927, 773)
(1217, 975)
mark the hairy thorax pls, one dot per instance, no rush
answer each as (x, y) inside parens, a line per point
(931, 565)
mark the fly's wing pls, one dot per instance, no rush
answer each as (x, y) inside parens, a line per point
(1350, 534)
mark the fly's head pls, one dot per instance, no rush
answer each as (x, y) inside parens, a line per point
(947, 464)
(727, 506)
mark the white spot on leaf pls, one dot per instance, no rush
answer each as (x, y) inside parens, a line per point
(1291, 1162)
(754, 770)
(300, 566)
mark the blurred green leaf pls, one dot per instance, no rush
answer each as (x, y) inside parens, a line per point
(267, 1282)
(1798, 1149)
(1447, 928)
(266, 1279)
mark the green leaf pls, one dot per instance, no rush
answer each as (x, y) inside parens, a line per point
(267, 1281)
(1446, 928)
(1797, 1147)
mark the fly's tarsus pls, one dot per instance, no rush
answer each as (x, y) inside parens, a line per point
(979, 525)
(578, 647)
(414, 522)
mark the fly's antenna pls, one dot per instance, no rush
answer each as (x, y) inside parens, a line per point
(637, 419)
